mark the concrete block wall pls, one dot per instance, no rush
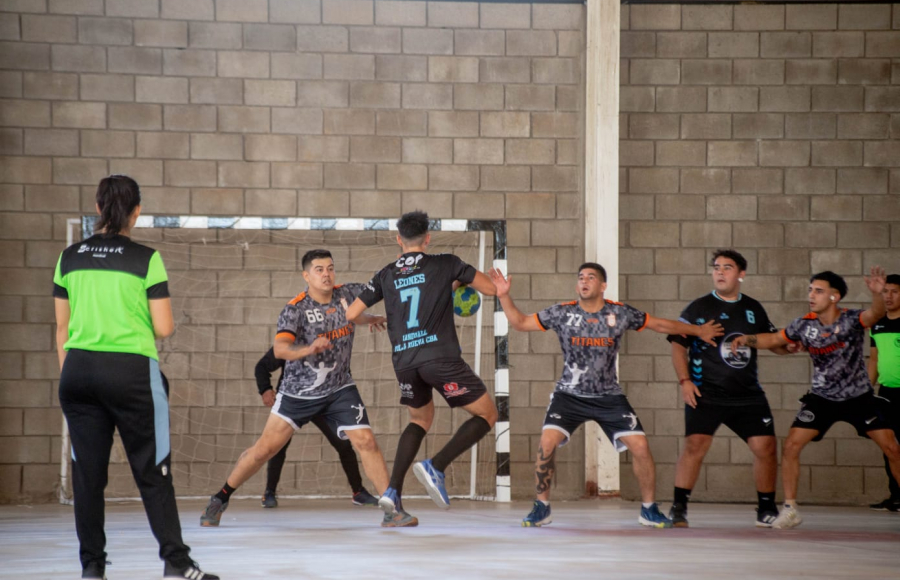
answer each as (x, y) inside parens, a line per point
(772, 129)
(333, 108)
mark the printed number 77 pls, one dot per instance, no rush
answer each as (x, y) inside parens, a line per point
(411, 295)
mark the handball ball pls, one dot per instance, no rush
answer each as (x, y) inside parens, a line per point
(466, 301)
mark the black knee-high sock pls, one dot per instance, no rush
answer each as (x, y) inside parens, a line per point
(469, 434)
(407, 448)
(682, 496)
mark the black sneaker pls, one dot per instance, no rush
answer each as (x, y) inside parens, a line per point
(94, 569)
(191, 572)
(213, 512)
(269, 500)
(363, 497)
(888, 505)
(678, 515)
(765, 518)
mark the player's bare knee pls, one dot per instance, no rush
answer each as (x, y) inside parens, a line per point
(694, 447)
(792, 448)
(766, 448)
(364, 442)
(490, 415)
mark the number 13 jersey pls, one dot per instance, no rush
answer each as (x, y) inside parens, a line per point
(418, 302)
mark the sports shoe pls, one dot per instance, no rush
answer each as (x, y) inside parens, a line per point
(765, 518)
(653, 518)
(363, 497)
(788, 518)
(213, 513)
(539, 515)
(890, 505)
(433, 480)
(399, 519)
(389, 502)
(269, 500)
(191, 571)
(95, 569)
(678, 515)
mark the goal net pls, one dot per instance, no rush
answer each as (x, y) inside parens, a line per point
(229, 279)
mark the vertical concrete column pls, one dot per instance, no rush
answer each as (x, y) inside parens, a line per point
(601, 189)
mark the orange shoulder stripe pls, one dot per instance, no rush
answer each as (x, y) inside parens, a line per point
(298, 298)
(613, 302)
(811, 316)
(569, 303)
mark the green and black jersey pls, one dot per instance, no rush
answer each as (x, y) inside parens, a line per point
(108, 280)
(886, 338)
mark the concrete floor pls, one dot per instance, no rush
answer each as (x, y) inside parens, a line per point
(330, 539)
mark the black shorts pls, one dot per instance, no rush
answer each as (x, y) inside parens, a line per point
(453, 379)
(613, 413)
(753, 420)
(866, 413)
(342, 410)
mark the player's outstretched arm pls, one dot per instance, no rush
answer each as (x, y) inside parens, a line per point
(705, 332)
(517, 319)
(764, 341)
(875, 282)
(483, 284)
(286, 349)
(355, 310)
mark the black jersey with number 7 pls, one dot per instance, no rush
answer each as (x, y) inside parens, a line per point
(418, 302)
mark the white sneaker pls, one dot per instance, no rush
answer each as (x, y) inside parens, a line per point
(788, 518)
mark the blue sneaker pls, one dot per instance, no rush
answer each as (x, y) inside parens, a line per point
(539, 516)
(653, 518)
(433, 480)
(389, 502)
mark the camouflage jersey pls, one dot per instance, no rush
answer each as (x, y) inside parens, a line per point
(304, 320)
(590, 343)
(839, 369)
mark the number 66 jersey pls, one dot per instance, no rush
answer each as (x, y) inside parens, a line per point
(418, 302)
(304, 320)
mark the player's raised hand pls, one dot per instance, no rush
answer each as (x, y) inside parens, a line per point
(689, 392)
(319, 345)
(876, 279)
(709, 331)
(501, 282)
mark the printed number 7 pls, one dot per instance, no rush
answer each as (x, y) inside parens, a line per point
(411, 295)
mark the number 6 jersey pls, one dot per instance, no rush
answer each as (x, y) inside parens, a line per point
(303, 320)
(418, 301)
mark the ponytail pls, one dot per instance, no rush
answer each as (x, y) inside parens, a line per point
(117, 196)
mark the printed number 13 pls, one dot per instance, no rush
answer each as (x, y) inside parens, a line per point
(411, 295)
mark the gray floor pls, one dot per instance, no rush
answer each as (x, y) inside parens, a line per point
(330, 539)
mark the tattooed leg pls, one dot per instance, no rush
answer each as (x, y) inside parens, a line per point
(543, 472)
(545, 466)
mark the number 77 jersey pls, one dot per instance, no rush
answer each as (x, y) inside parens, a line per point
(418, 302)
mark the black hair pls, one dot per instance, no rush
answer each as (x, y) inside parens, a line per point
(413, 226)
(311, 255)
(892, 279)
(594, 266)
(733, 255)
(833, 280)
(117, 196)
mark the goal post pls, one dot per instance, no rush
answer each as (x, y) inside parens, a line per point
(488, 232)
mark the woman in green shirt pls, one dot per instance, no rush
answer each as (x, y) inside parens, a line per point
(112, 303)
